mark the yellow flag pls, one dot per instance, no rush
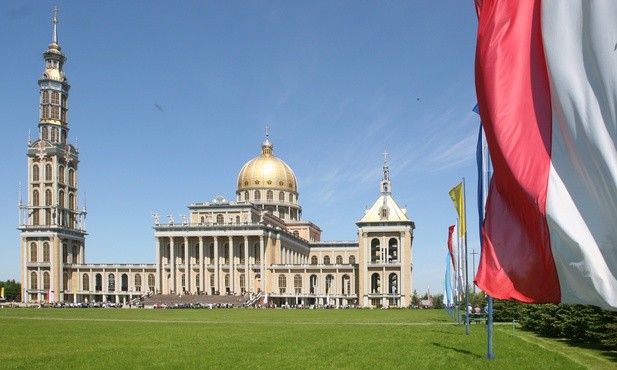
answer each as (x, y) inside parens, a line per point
(456, 193)
(2, 293)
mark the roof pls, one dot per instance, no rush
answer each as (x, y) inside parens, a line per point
(393, 213)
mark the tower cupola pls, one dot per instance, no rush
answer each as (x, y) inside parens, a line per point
(54, 92)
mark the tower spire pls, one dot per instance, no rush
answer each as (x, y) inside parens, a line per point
(385, 182)
(55, 35)
(266, 146)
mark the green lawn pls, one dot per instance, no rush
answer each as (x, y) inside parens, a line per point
(247, 338)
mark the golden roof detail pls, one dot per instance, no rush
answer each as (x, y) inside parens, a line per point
(267, 172)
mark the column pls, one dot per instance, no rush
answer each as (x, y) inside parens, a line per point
(187, 270)
(157, 278)
(262, 269)
(25, 274)
(202, 260)
(402, 257)
(232, 280)
(216, 264)
(172, 265)
(247, 274)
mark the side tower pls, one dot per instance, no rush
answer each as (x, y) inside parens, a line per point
(385, 251)
(52, 228)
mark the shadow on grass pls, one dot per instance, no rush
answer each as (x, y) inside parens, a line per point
(444, 332)
(603, 350)
(461, 351)
(609, 354)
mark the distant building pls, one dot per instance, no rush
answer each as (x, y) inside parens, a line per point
(258, 243)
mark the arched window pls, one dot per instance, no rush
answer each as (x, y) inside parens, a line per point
(392, 283)
(98, 282)
(151, 281)
(35, 173)
(298, 284)
(269, 195)
(111, 282)
(375, 253)
(326, 260)
(35, 217)
(33, 252)
(55, 98)
(71, 177)
(124, 283)
(346, 284)
(313, 284)
(61, 199)
(329, 280)
(257, 195)
(85, 282)
(48, 172)
(46, 280)
(281, 196)
(34, 280)
(183, 282)
(227, 289)
(242, 283)
(393, 250)
(35, 198)
(375, 283)
(48, 197)
(61, 174)
(45, 115)
(291, 198)
(314, 260)
(71, 201)
(246, 195)
(75, 253)
(138, 282)
(282, 283)
(45, 98)
(352, 260)
(45, 252)
(220, 219)
(339, 260)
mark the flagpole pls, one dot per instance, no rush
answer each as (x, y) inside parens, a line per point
(487, 173)
(466, 263)
(458, 271)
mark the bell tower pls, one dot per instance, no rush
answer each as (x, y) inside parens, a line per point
(385, 235)
(52, 228)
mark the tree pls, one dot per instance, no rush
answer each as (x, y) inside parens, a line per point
(437, 301)
(415, 299)
(12, 290)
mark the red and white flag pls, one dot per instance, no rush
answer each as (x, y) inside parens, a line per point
(546, 79)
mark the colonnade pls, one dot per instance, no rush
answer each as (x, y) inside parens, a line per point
(211, 264)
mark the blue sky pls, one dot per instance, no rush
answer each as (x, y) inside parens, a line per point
(169, 99)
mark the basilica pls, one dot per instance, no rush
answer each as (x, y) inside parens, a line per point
(257, 245)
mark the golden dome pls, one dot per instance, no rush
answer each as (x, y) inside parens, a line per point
(267, 172)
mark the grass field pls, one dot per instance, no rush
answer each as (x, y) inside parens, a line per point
(248, 338)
